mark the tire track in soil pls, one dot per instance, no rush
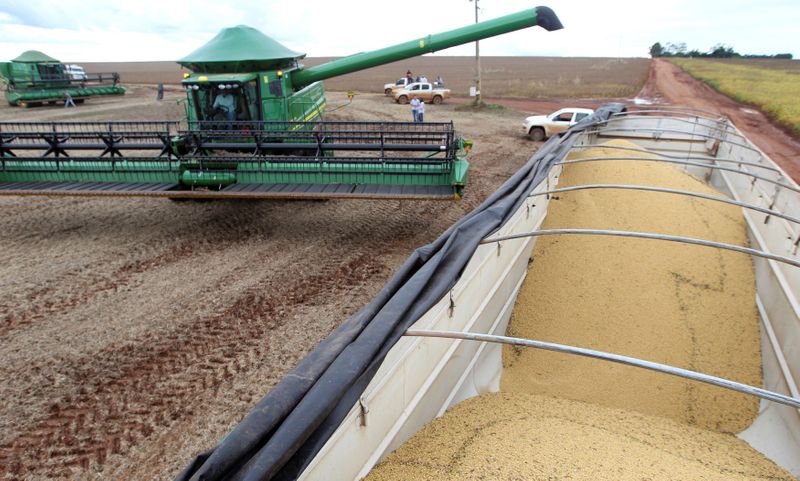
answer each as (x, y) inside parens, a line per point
(50, 299)
(127, 394)
(113, 415)
(55, 369)
(86, 283)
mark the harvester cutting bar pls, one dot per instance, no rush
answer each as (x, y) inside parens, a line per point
(232, 164)
(236, 159)
(317, 138)
(61, 81)
(56, 139)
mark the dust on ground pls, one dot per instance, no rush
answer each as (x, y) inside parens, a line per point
(135, 333)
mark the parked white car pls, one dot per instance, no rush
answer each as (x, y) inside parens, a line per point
(540, 127)
(75, 72)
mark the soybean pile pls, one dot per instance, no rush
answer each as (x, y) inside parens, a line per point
(564, 417)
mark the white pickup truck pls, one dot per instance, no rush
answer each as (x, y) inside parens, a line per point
(421, 90)
(390, 89)
(540, 127)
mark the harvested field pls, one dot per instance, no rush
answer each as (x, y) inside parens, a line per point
(137, 332)
(507, 77)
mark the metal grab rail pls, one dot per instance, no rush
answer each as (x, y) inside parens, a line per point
(671, 131)
(681, 162)
(647, 235)
(725, 130)
(675, 113)
(679, 157)
(681, 109)
(671, 191)
(618, 358)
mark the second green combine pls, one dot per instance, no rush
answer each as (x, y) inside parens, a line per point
(254, 129)
(34, 79)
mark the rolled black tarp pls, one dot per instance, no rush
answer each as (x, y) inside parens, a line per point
(286, 429)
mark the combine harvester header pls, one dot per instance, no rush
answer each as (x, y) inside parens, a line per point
(255, 130)
(34, 78)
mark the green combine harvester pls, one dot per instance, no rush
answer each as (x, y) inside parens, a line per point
(34, 79)
(254, 129)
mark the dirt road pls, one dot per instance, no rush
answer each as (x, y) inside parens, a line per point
(136, 333)
(668, 82)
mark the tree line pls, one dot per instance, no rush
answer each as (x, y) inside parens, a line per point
(717, 51)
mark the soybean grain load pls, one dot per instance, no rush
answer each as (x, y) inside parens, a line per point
(560, 416)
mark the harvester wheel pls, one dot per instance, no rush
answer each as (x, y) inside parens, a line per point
(536, 134)
(402, 99)
(437, 99)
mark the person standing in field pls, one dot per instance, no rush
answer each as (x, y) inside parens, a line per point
(415, 103)
(420, 110)
(69, 102)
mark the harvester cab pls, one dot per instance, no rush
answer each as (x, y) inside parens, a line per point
(255, 129)
(244, 75)
(220, 99)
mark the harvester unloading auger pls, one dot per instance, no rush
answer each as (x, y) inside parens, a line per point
(254, 130)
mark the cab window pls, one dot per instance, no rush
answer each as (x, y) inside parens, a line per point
(563, 117)
(580, 116)
(250, 90)
(234, 102)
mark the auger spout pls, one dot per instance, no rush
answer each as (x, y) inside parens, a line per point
(541, 16)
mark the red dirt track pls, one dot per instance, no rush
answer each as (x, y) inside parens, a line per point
(672, 84)
(135, 333)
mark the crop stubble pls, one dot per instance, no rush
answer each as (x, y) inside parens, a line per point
(137, 332)
(506, 77)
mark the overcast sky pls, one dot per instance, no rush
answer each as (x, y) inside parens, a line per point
(148, 30)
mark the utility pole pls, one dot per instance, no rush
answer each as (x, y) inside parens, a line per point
(478, 100)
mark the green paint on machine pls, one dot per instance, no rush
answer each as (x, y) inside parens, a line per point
(255, 129)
